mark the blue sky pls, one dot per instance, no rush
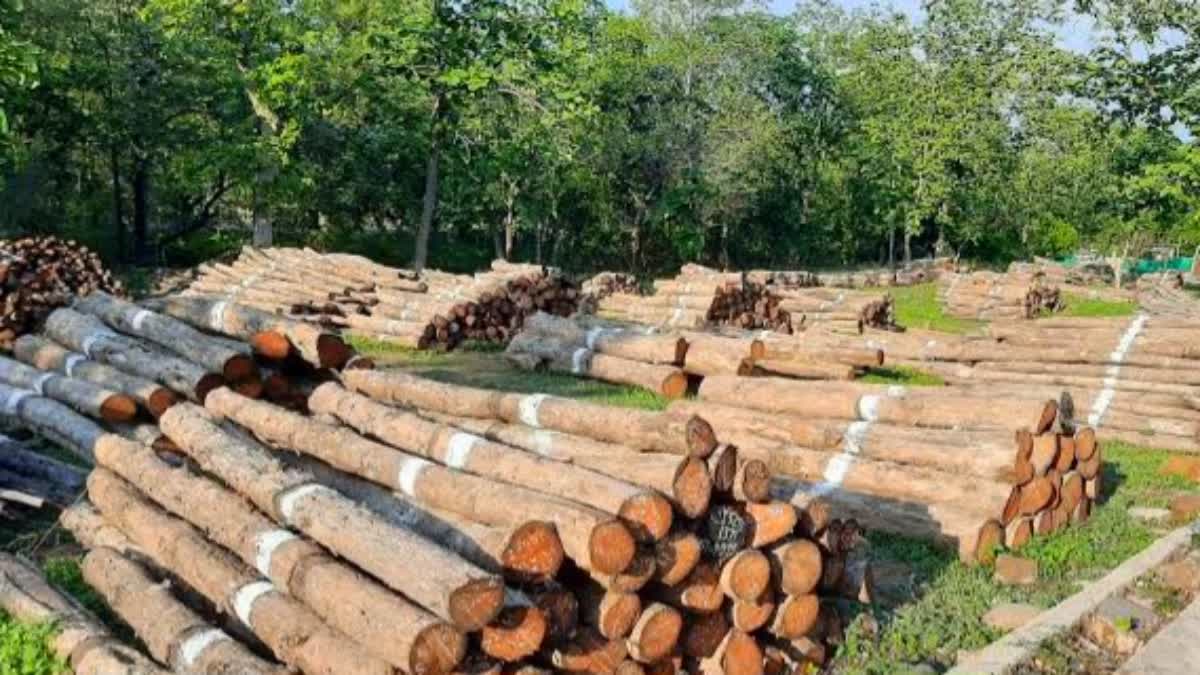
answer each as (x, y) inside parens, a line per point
(1076, 34)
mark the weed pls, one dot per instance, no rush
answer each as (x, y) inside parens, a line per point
(903, 375)
(25, 649)
(1080, 306)
(918, 307)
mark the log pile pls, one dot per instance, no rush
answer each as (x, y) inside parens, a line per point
(969, 468)
(605, 284)
(1170, 302)
(991, 295)
(357, 296)
(40, 274)
(839, 310)
(700, 297)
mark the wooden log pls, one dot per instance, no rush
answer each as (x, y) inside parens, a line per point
(639, 429)
(87, 398)
(676, 557)
(749, 616)
(612, 613)
(52, 420)
(704, 634)
(699, 593)
(86, 334)
(171, 334)
(447, 585)
(770, 522)
(746, 575)
(626, 344)
(655, 634)
(172, 632)
(593, 539)
(346, 600)
(293, 633)
(80, 639)
(797, 565)
(46, 355)
(667, 381)
(516, 634)
(804, 370)
(61, 483)
(589, 652)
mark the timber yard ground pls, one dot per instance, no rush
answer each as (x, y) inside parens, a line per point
(931, 605)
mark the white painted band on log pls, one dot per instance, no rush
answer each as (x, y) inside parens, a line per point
(527, 409)
(458, 451)
(543, 443)
(676, 316)
(14, 399)
(246, 596)
(287, 503)
(578, 359)
(593, 335)
(72, 361)
(193, 647)
(90, 341)
(410, 471)
(216, 316)
(140, 318)
(40, 383)
(264, 548)
(897, 391)
(868, 407)
(1102, 402)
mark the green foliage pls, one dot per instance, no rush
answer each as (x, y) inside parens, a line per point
(1088, 307)
(902, 375)
(25, 649)
(918, 307)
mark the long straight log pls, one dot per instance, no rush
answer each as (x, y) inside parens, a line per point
(65, 482)
(171, 334)
(80, 638)
(87, 334)
(87, 398)
(41, 353)
(52, 420)
(661, 349)
(172, 632)
(647, 512)
(291, 631)
(636, 428)
(412, 638)
(533, 351)
(423, 571)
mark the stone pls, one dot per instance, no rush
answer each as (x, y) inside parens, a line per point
(1149, 514)
(1185, 506)
(1185, 467)
(1012, 570)
(1010, 615)
(1120, 625)
(1183, 575)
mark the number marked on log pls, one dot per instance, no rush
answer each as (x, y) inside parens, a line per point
(197, 643)
(410, 471)
(264, 548)
(458, 452)
(1112, 373)
(527, 409)
(246, 596)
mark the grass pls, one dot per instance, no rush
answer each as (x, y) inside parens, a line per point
(945, 615)
(1079, 306)
(918, 307)
(902, 375)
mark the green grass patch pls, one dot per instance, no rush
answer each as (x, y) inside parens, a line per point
(918, 307)
(25, 649)
(1080, 306)
(949, 598)
(902, 375)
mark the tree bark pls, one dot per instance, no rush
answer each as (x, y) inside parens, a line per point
(141, 217)
(118, 206)
(430, 198)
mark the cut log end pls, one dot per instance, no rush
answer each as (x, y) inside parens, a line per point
(160, 401)
(743, 655)
(748, 617)
(723, 466)
(656, 633)
(240, 367)
(990, 537)
(516, 634)
(534, 553)
(1048, 415)
(636, 576)
(611, 547)
(476, 603)
(333, 352)
(271, 344)
(674, 385)
(799, 564)
(692, 487)
(746, 575)
(438, 649)
(209, 382)
(796, 616)
(119, 408)
(701, 438)
(676, 557)
(754, 481)
(649, 516)
(1085, 444)
(618, 614)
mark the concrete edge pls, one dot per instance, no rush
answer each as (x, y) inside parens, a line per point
(1020, 645)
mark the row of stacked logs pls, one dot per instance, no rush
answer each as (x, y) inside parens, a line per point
(909, 274)
(1169, 301)
(357, 296)
(839, 310)
(672, 362)
(699, 297)
(40, 274)
(993, 295)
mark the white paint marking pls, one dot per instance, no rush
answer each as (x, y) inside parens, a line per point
(1113, 372)
(527, 409)
(216, 316)
(40, 383)
(579, 359)
(458, 451)
(14, 399)
(593, 335)
(287, 503)
(140, 318)
(868, 407)
(194, 646)
(264, 546)
(72, 361)
(543, 443)
(246, 596)
(410, 471)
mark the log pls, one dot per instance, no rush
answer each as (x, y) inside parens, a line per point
(612, 613)
(87, 398)
(655, 634)
(172, 632)
(62, 482)
(676, 557)
(797, 565)
(80, 639)
(51, 420)
(749, 616)
(412, 638)
(746, 575)
(291, 631)
(516, 634)
(87, 335)
(46, 355)
(589, 652)
(625, 344)
(647, 513)
(447, 585)
(171, 334)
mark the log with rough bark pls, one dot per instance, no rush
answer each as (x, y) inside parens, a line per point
(218, 356)
(45, 354)
(88, 335)
(80, 639)
(173, 633)
(48, 478)
(446, 585)
(613, 340)
(348, 601)
(991, 295)
(85, 397)
(51, 420)
(817, 306)
(532, 351)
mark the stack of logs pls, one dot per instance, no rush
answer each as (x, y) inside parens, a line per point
(353, 294)
(969, 468)
(991, 295)
(698, 297)
(40, 274)
(605, 284)
(669, 363)
(1170, 302)
(412, 526)
(839, 311)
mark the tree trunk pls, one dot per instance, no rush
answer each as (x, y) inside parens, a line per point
(118, 206)
(892, 248)
(429, 200)
(141, 189)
